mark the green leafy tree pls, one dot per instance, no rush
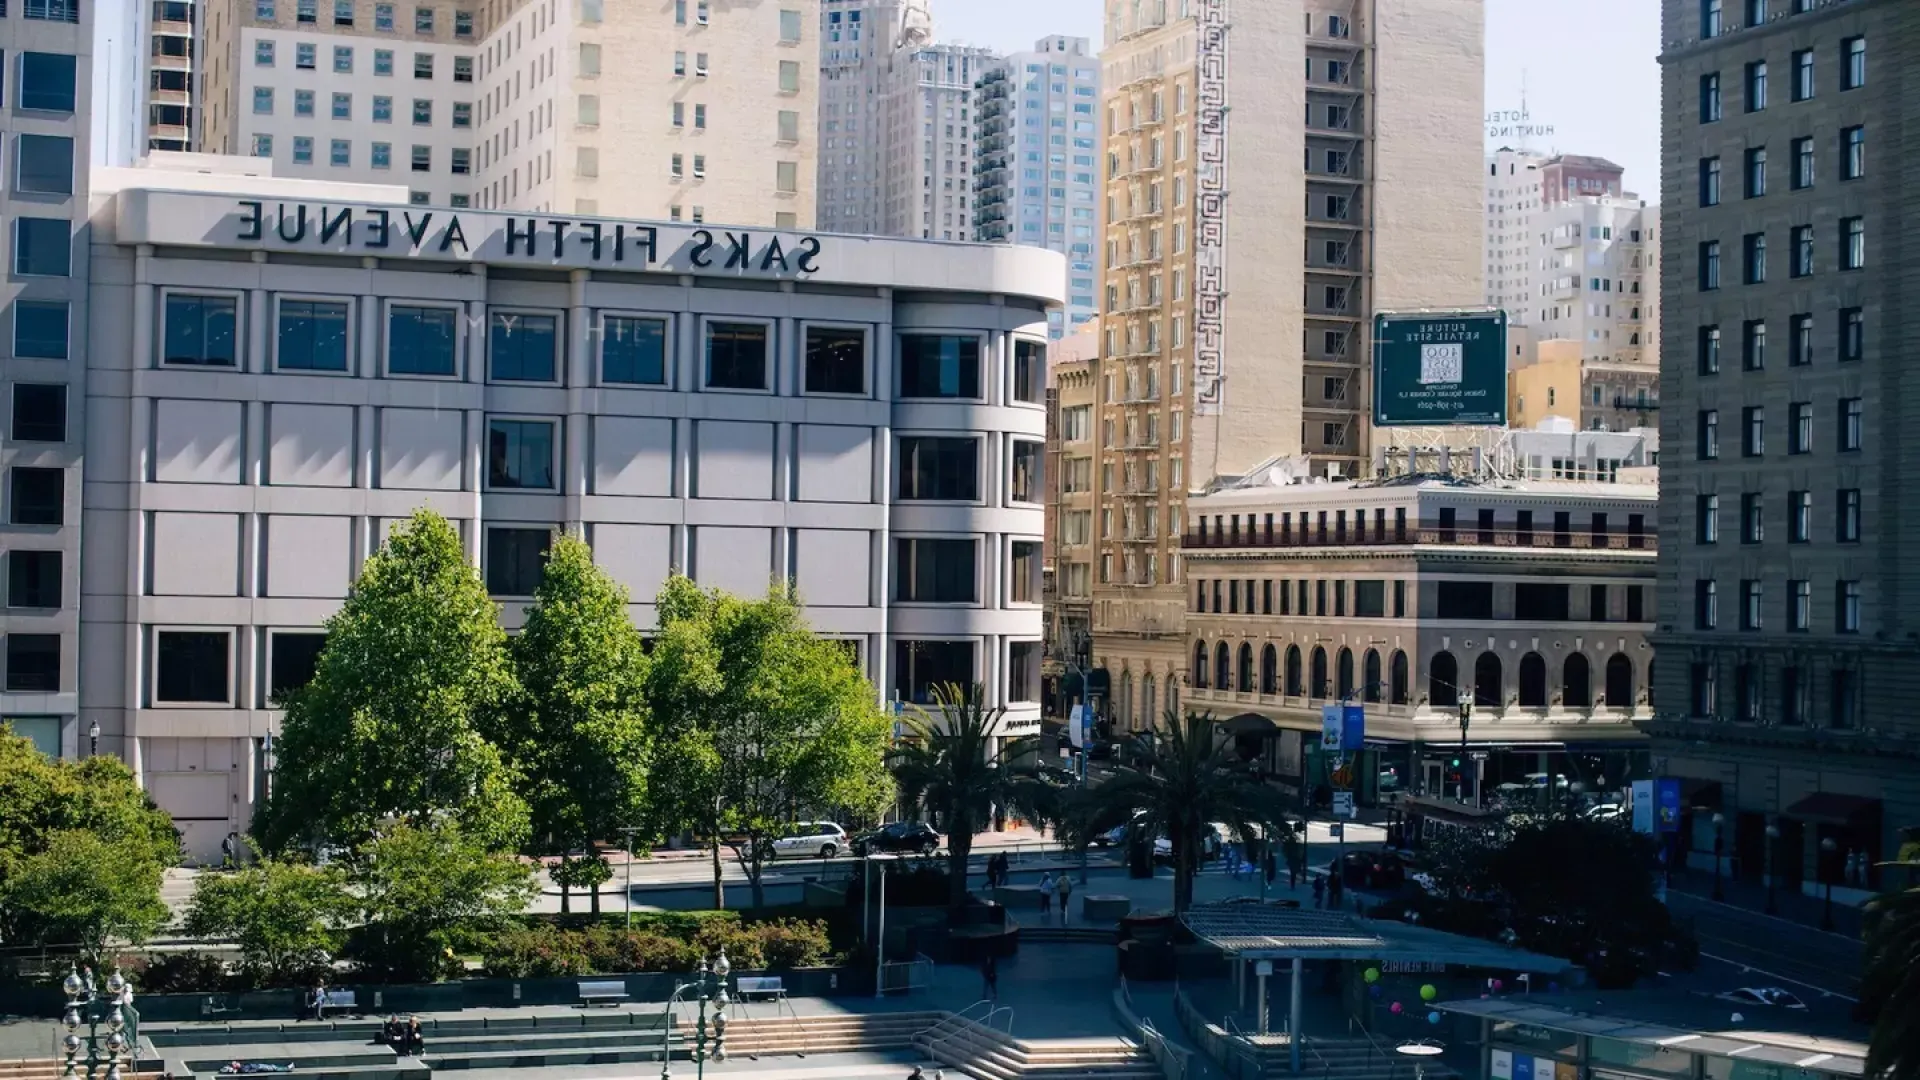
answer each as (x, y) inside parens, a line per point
(289, 919)
(88, 890)
(55, 812)
(954, 764)
(577, 731)
(1187, 776)
(1890, 985)
(414, 671)
(428, 892)
(760, 721)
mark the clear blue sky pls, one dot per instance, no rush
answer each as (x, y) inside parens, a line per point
(1588, 67)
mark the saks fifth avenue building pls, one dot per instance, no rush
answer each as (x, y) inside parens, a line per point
(279, 371)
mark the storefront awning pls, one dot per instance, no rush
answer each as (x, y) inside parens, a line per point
(1835, 808)
(1271, 931)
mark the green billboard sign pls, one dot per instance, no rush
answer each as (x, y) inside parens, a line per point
(1439, 368)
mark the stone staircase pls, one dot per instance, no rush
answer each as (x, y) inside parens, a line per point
(991, 1054)
(1325, 1058)
(837, 1033)
(30, 1069)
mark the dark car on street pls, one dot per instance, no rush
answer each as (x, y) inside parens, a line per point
(1374, 870)
(901, 837)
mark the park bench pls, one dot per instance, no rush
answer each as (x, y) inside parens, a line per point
(603, 992)
(764, 985)
(341, 1000)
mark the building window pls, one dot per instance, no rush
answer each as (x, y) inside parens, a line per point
(295, 659)
(1750, 601)
(921, 666)
(263, 54)
(836, 360)
(381, 155)
(1753, 346)
(463, 24)
(522, 348)
(1710, 181)
(1853, 63)
(1710, 26)
(786, 175)
(1709, 434)
(1756, 86)
(306, 57)
(382, 109)
(1802, 164)
(633, 350)
(42, 247)
(1025, 486)
(48, 80)
(520, 455)
(1753, 431)
(422, 65)
(939, 366)
(1799, 516)
(1847, 607)
(423, 20)
(383, 61)
(383, 17)
(43, 165)
(200, 330)
(313, 335)
(1706, 605)
(422, 111)
(789, 126)
(1853, 243)
(342, 60)
(40, 329)
(737, 356)
(1707, 519)
(422, 161)
(1754, 259)
(1710, 97)
(1029, 371)
(928, 571)
(1802, 75)
(1756, 172)
(590, 60)
(33, 663)
(1709, 265)
(1023, 671)
(516, 559)
(1853, 334)
(1799, 340)
(340, 153)
(1852, 424)
(942, 469)
(1708, 348)
(789, 27)
(307, 11)
(1853, 152)
(1846, 522)
(37, 496)
(422, 340)
(192, 667)
(1845, 699)
(302, 150)
(1753, 525)
(1800, 427)
(33, 579)
(1801, 252)
(463, 69)
(39, 412)
(789, 76)
(1799, 605)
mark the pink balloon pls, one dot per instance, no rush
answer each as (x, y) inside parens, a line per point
(1396, 1008)
(1497, 984)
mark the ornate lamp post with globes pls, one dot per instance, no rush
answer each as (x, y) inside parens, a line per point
(709, 987)
(114, 1011)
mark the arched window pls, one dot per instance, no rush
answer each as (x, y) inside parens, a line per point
(1295, 685)
(1269, 670)
(1533, 682)
(1370, 682)
(1123, 708)
(1650, 664)
(1487, 691)
(1147, 715)
(1443, 680)
(1319, 685)
(1173, 697)
(1578, 682)
(1222, 667)
(1619, 682)
(1343, 668)
(1245, 683)
(1397, 683)
(1198, 676)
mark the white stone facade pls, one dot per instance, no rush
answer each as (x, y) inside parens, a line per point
(862, 416)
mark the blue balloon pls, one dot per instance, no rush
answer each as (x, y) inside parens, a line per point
(1433, 1018)
(1553, 988)
(1374, 991)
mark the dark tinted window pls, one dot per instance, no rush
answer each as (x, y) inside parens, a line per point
(39, 412)
(919, 666)
(38, 496)
(295, 659)
(33, 663)
(313, 335)
(935, 571)
(43, 164)
(420, 340)
(33, 579)
(42, 247)
(522, 347)
(47, 81)
(836, 361)
(939, 468)
(520, 454)
(191, 666)
(201, 330)
(40, 329)
(737, 356)
(935, 366)
(633, 351)
(515, 560)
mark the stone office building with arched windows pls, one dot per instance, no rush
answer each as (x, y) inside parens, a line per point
(1529, 599)
(280, 370)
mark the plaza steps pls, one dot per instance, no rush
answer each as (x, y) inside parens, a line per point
(1341, 1059)
(991, 1054)
(839, 1033)
(31, 1069)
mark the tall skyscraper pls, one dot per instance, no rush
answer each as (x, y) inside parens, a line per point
(48, 52)
(1513, 198)
(686, 111)
(1239, 285)
(1037, 161)
(1789, 630)
(857, 41)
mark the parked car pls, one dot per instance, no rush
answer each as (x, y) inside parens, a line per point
(902, 836)
(1606, 812)
(1373, 870)
(1764, 995)
(822, 838)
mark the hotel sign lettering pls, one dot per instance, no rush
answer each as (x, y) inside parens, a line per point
(491, 237)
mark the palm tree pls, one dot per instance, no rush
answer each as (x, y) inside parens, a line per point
(1890, 984)
(1189, 777)
(948, 764)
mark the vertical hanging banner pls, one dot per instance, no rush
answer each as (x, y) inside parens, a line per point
(1210, 211)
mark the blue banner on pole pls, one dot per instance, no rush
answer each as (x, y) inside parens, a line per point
(1667, 802)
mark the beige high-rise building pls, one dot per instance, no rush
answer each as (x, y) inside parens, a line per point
(1240, 280)
(689, 110)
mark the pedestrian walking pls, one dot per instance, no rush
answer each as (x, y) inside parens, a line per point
(1335, 887)
(1046, 895)
(1064, 886)
(1319, 892)
(1272, 866)
(990, 978)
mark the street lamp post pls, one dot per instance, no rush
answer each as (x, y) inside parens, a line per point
(1466, 719)
(1420, 1050)
(1719, 845)
(1773, 842)
(1827, 848)
(709, 987)
(85, 1005)
(627, 831)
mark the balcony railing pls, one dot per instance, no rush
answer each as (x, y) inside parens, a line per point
(1459, 536)
(1621, 401)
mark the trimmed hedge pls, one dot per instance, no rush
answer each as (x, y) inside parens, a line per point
(549, 952)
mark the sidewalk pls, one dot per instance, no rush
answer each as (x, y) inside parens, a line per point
(1752, 897)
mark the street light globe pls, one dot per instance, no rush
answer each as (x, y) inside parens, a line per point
(71, 1043)
(116, 982)
(117, 1019)
(72, 984)
(1773, 831)
(720, 1002)
(1827, 844)
(722, 965)
(113, 1072)
(72, 1019)
(1719, 820)
(116, 1042)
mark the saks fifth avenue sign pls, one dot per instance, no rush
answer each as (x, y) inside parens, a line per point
(498, 238)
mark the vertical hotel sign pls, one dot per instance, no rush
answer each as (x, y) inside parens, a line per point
(1210, 213)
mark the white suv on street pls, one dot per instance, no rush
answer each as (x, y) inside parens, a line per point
(812, 838)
